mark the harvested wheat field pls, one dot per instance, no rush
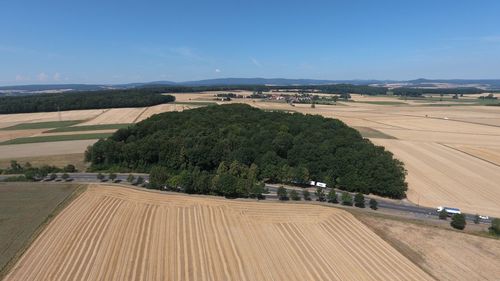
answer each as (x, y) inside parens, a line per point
(116, 116)
(445, 254)
(168, 107)
(438, 175)
(6, 135)
(487, 153)
(116, 233)
(7, 120)
(15, 151)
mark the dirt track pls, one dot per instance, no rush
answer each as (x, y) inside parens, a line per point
(114, 233)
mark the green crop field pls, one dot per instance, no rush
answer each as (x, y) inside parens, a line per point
(89, 128)
(57, 138)
(24, 208)
(383, 102)
(43, 125)
(372, 133)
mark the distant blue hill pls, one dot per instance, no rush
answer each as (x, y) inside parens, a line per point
(491, 84)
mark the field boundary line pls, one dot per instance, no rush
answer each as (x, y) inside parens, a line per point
(57, 210)
(470, 154)
(449, 119)
(140, 114)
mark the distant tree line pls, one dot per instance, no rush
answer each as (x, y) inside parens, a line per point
(28, 172)
(327, 88)
(488, 97)
(418, 92)
(344, 89)
(230, 150)
(83, 100)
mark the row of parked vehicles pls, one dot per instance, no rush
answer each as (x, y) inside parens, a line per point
(454, 211)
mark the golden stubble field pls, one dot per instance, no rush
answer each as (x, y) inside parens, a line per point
(116, 233)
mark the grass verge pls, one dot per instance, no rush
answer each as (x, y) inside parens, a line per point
(57, 138)
(43, 125)
(88, 128)
(25, 210)
(199, 103)
(372, 133)
(383, 102)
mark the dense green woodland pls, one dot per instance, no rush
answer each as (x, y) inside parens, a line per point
(417, 92)
(83, 100)
(232, 149)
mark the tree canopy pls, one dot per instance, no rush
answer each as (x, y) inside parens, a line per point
(278, 147)
(83, 100)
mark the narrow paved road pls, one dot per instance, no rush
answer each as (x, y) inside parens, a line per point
(402, 206)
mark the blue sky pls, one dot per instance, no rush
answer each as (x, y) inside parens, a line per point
(134, 41)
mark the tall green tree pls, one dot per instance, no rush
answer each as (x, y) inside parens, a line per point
(130, 178)
(112, 177)
(332, 196)
(320, 194)
(158, 176)
(495, 226)
(282, 193)
(458, 221)
(346, 199)
(294, 195)
(359, 200)
(306, 194)
(443, 214)
(140, 180)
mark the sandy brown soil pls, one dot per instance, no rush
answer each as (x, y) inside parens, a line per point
(445, 254)
(116, 233)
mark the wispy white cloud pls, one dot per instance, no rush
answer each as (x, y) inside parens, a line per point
(56, 76)
(255, 62)
(217, 70)
(42, 77)
(21, 78)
